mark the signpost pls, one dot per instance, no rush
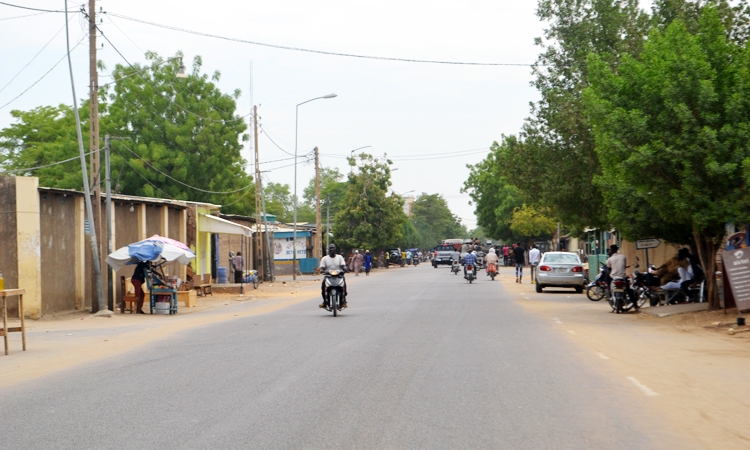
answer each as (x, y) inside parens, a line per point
(737, 269)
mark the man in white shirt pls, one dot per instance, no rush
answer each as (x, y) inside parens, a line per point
(328, 262)
(534, 256)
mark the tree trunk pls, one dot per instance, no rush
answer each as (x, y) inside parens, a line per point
(707, 247)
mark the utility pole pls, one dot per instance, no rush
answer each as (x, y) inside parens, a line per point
(328, 219)
(110, 287)
(269, 252)
(258, 241)
(318, 241)
(94, 134)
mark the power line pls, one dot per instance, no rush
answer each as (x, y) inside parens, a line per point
(46, 165)
(32, 59)
(307, 50)
(33, 9)
(167, 98)
(180, 182)
(40, 79)
(405, 158)
(265, 133)
(25, 15)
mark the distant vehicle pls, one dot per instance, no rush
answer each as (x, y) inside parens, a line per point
(443, 254)
(559, 269)
(394, 257)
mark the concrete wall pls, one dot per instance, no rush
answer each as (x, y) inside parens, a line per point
(58, 252)
(153, 220)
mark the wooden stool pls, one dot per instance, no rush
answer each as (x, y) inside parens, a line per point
(22, 329)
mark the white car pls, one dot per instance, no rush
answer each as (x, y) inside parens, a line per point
(560, 269)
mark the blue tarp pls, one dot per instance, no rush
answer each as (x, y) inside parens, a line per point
(145, 250)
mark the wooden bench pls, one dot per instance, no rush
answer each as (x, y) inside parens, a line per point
(695, 294)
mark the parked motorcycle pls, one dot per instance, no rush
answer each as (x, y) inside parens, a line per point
(455, 267)
(643, 285)
(470, 272)
(599, 288)
(492, 270)
(335, 283)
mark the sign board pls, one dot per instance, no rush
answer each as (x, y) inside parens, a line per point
(644, 244)
(737, 269)
(282, 248)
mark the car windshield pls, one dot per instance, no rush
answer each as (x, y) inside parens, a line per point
(561, 258)
(445, 248)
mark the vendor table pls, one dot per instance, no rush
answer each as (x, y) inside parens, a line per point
(4, 294)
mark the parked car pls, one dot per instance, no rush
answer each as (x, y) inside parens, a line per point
(394, 257)
(560, 269)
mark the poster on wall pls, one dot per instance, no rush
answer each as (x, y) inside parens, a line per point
(282, 248)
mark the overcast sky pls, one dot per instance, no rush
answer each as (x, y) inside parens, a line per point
(411, 111)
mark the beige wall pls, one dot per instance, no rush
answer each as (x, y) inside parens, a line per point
(29, 244)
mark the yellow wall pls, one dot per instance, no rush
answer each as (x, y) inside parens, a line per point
(29, 241)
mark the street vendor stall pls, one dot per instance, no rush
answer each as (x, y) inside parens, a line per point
(155, 251)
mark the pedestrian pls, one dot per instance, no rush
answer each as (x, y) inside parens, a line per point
(138, 278)
(534, 255)
(238, 263)
(357, 262)
(519, 255)
(368, 262)
(506, 254)
(230, 267)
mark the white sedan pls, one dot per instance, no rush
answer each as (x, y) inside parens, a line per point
(559, 269)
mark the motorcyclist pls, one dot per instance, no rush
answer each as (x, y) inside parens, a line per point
(617, 262)
(491, 258)
(455, 257)
(329, 262)
(470, 259)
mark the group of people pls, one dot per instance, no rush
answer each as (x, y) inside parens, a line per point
(357, 260)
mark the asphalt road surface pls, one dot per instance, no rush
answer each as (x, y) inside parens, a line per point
(420, 360)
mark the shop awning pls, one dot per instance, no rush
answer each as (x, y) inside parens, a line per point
(213, 224)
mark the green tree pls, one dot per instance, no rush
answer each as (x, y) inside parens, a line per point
(674, 123)
(530, 222)
(433, 221)
(368, 217)
(491, 191)
(410, 237)
(331, 186)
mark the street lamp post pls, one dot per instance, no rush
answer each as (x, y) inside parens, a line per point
(351, 156)
(294, 233)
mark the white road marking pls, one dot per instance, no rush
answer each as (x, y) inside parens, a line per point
(602, 355)
(557, 321)
(572, 332)
(646, 390)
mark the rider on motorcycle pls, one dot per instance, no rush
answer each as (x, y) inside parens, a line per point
(328, 262)
(491, 258)
(617, 262)
(470, 259)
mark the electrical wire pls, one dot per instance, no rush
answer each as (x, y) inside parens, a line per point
(33, 9)
(32, 59)
(25, 15)
(406, 158)
(141, 175)
(237, 119)
(126, 36)
(307, 50)
(180, 182)
(46, 165)
(265, 133)
(40, 79)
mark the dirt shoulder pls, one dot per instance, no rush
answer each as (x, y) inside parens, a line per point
(691, 371)
(60, 341)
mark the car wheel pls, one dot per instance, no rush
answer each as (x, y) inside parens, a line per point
(539, 288)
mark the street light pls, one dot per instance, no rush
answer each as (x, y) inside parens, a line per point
(294, 232)
(351, 156)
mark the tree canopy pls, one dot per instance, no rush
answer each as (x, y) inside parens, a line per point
(434, 221)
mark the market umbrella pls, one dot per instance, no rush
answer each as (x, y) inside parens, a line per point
(154, 249)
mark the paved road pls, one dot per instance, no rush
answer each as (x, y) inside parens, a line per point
(420, 360)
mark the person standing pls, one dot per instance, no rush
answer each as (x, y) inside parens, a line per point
(534, 256)
(237, 263)
(368, 262)
(138, 278)
(230, 267)
(506, 254)
(357, 262)
(519, 255)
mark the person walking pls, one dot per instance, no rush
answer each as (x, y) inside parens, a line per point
(357, 262)
(368, 262)
(238, 263)
(506, 254)
(520, 257)
(230, 267)
(534, 256)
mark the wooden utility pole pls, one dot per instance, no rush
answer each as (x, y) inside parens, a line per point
(95, 170)
(258, 241)
(318, 241)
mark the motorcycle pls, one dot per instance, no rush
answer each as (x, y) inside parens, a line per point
(455, 267)
(480, 260)
(643, 284)
(334, 283)
(470, 275)
(491, 270)
(599, 288)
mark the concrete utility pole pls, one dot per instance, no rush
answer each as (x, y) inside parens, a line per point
(328, 219)
(258, 241)
(318, 242)
(94, 160)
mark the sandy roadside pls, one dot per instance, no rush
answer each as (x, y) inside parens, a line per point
(693, 373)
